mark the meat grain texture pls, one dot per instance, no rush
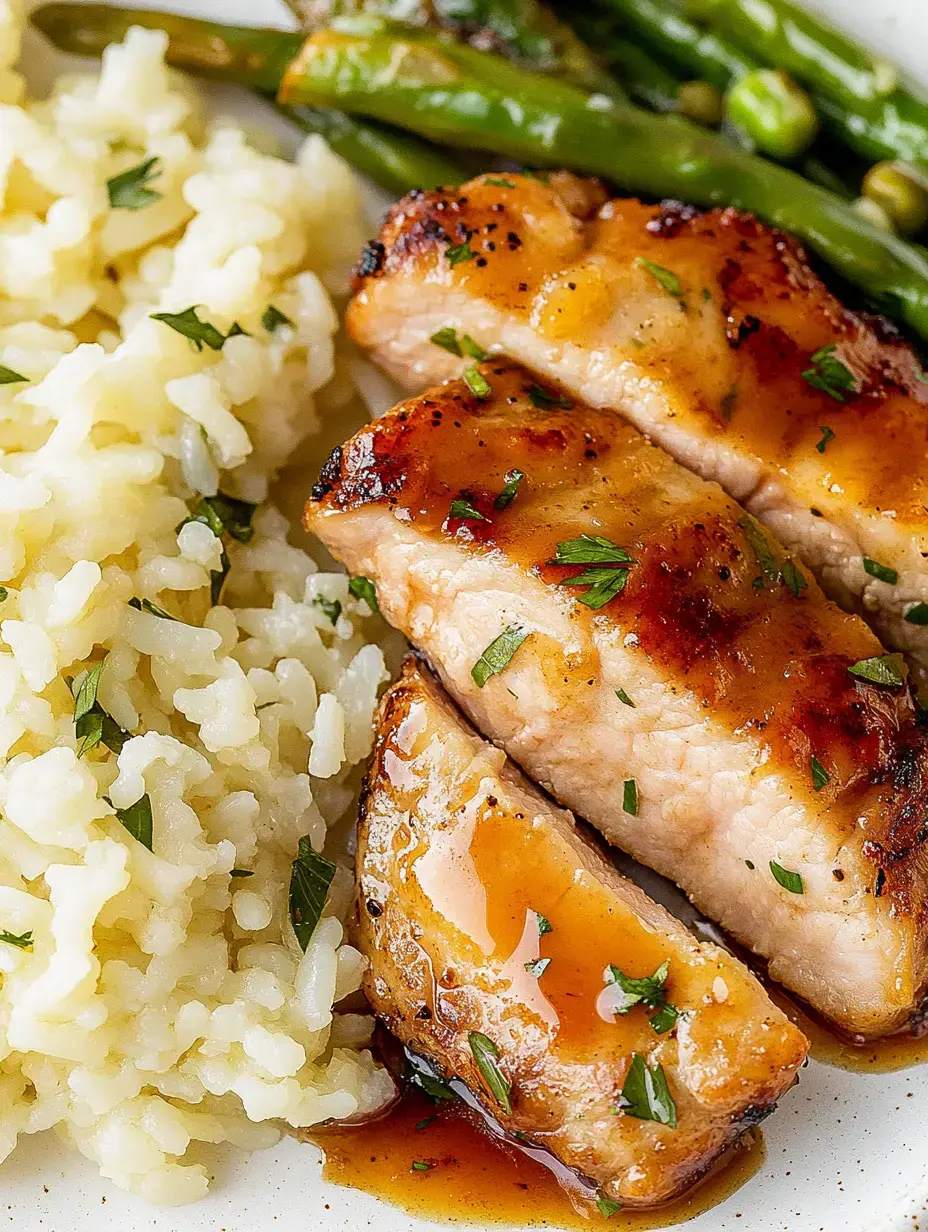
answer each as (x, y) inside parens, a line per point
(709, 332)
(705, 717)
(483, 909)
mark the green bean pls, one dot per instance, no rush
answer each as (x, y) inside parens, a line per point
(775, 113)
(457, 96)
(522, 30)
(854, 90)
(395, 160)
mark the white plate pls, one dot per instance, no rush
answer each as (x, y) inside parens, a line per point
(845, 1152)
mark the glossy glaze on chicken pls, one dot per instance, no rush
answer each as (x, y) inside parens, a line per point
(709, 331)
(482, 909)
(712, 715)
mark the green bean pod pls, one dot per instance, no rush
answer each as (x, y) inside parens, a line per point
(457, 96)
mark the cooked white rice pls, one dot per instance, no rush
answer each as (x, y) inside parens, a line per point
(162, 1000)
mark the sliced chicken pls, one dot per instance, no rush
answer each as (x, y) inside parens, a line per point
(681, 683)
(484, 911)
(710, 333)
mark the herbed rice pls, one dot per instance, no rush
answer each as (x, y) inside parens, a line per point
(163, 1001)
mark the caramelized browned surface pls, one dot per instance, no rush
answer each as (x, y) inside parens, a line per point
(458, 857)
(731, 362)
(758, 675)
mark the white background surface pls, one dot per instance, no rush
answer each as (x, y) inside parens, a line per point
(845, 1152)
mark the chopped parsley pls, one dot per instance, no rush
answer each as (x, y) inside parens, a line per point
(476, 382)
(630, 797)
(272, 319)
(498, 654)
(511, 479)
(329, 607)
(419, 1165)
(439, 1092)
(751, 865)
(707, 295)
(466, 512)
(92, 725)
(146, 605)
(363, 588)
(187, 323)
(609, 576)
(447, 339)
(888, 669)
(425, 1122)
(9, 377)
(486, 1055)
(538, 967)
(4, 594)
(310, 879)
(917, 614)
(820, 776)
(793, 579)
(827, 435)
(497, 182)
(544, 924)
(137, 819)
(544, 400)
(624, 698)
(665, 277)
(241, 872)
(882, 573)
(22, 941)
(829, 375)
(646, 1094)
(788, 880)
(607, 1207)
(459, 252)
(129, 190)
(651, 991)
(223, 515)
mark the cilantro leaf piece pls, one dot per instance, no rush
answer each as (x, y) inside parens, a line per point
(651, 989)
(420, 1165)
(788, 880)
(664, 1018)
(137, 819)
(447, 339)
(607, 1207)
(477, 383)
(830, 375)
(473, 349)
(9, 377)
(538, 967)
(590, 550)
(665, 277)
(189, 325)
(486, 1055)
(146, 605)
(272, 319)
(241, 872)
(545, 400)
(22, 941)
(630, 801)
(888, 669)
(759, 545)
(363, 588)
(329, 607)
(544, 924)
(604, 584)
(498, 182)
(882, 573)
(129, 190)
(646, 1094)
(793, 579)
(511, 479)
(457, 253)
(466, 512)
(820, 776)
(917, 614)
(624, 698)
(498, 654)
(310, 879)
(86, 697)
(827, 435)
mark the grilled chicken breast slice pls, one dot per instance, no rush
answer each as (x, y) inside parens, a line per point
(710, 333)
(483, 910)
(703, 716)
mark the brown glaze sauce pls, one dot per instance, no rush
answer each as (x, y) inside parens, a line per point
(473, 1177)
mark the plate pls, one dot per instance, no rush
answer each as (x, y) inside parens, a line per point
(845, 1152)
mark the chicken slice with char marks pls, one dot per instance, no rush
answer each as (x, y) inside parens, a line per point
(711, 334)
(484, 910)
(784, 794)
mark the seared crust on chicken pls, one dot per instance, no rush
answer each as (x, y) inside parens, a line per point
(786, 795)
(709, 331)
(459, 859)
